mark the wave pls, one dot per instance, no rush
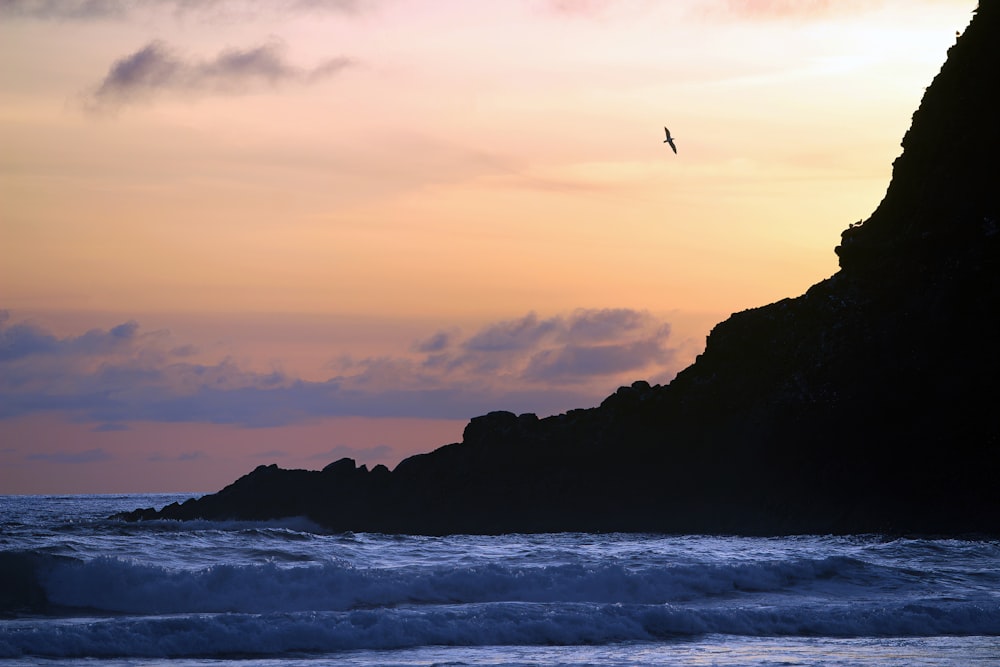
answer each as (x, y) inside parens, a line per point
(299, 524)
(62, 607)
(21, 590)
(494, 624)
(114, 585)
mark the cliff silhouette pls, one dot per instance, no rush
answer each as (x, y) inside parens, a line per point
(867, 404)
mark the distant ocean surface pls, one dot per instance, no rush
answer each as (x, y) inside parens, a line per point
(288, 593)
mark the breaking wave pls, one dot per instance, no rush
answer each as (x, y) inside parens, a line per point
(116, 607)
(484, 624)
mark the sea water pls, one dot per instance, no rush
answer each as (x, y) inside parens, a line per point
(83, 589)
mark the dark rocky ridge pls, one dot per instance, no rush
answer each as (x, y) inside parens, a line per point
(868, 404)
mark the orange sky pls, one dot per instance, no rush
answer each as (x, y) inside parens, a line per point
(237, 232)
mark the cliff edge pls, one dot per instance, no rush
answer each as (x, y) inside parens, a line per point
(867, 404)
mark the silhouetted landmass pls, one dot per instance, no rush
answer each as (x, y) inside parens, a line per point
(868, 404)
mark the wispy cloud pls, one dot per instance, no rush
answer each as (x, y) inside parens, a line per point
(585, 345)
(573, 362)
(156, 68)
(24, 340)
(94, 10)
(435, 343)
(123, 374)
(71, 10)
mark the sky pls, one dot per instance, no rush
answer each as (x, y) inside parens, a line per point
(243, 232)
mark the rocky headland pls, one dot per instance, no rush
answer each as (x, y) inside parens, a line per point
(867, 404)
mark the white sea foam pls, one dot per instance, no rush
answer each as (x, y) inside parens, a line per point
(75, 586)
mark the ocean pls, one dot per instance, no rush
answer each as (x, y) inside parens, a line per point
(79, 588)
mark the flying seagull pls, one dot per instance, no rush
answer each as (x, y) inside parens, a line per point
(669, 140)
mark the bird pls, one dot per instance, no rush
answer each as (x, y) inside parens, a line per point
(669, 140)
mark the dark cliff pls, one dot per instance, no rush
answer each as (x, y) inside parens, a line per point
(868, 404)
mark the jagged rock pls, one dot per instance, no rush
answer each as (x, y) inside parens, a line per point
(341, 467)
(867, 404)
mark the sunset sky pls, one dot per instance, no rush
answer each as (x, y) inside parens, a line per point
(239, 232)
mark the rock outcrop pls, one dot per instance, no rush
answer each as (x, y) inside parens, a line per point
(868, 404)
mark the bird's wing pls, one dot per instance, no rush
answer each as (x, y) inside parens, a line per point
(667, 132)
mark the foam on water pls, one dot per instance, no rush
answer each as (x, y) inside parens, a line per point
(507, 623)
(74, 587)
(114, 585)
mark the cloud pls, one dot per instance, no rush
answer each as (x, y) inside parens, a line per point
(436, 343)
(156, 69)
(512, 335)
(185, 350)
(528, 364)
(571, 363)
(25, 340)
(585, 344)
(96, 10)
(607, 324)
(64, 9)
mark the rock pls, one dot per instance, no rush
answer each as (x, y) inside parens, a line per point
(866, 404)
(341, 467)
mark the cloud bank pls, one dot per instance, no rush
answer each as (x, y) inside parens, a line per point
(529, 364)
(156, 68)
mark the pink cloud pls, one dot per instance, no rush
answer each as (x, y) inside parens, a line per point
(124, 374)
